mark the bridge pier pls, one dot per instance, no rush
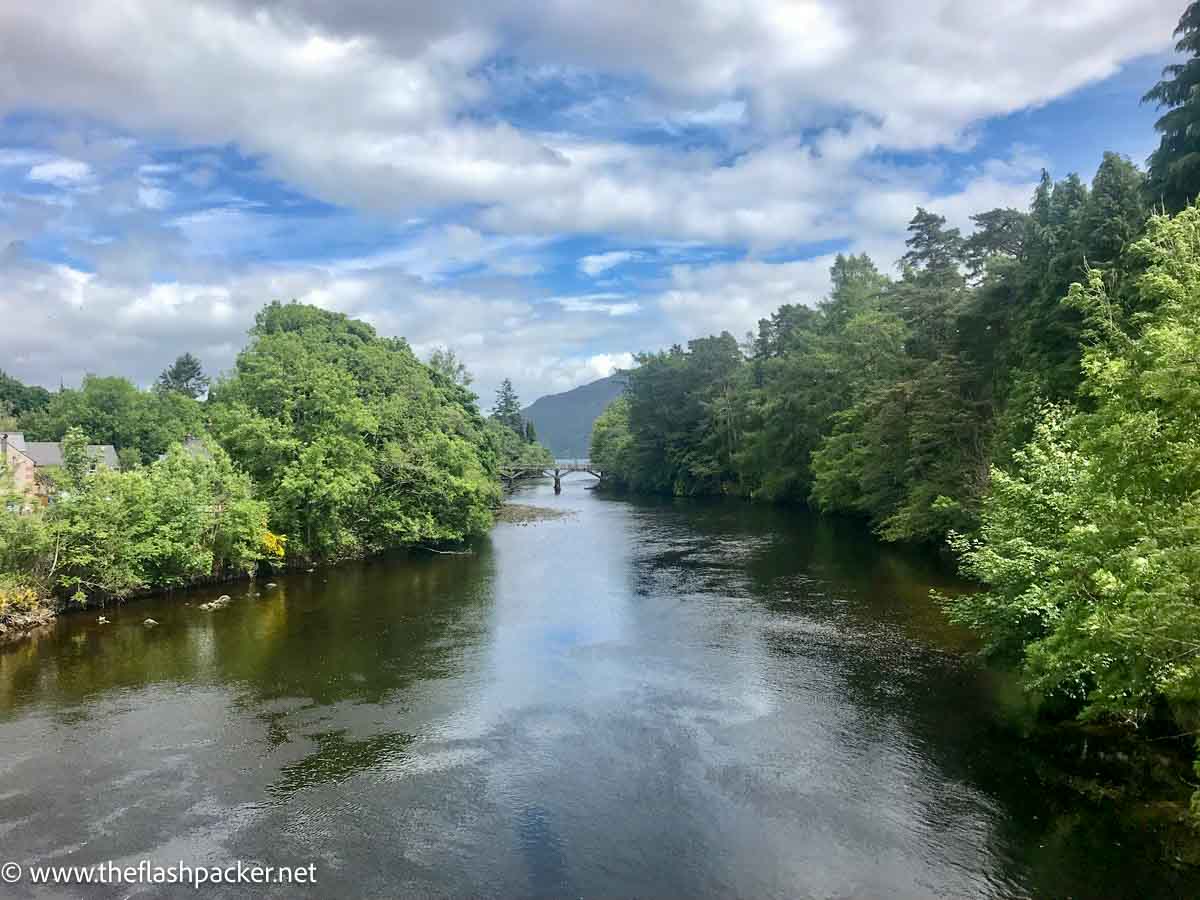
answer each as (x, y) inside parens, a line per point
(557, 481)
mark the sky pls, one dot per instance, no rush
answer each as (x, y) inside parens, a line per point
(546, 188)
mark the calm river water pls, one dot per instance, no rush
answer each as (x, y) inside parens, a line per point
(671, 699)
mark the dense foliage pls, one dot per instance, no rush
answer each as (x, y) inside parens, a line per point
(1028, 390)
(354, 443)
(1090, 544)
(111, 410)
(326, 441)
(184, 376)
(892, 398)
(113, 533)
(17, 399)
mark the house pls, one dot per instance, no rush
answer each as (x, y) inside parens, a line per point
(24, 459)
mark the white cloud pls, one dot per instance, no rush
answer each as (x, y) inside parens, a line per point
(60, 171)
(732, 297)
(608, 304)
(604, 364)
(375, 108)
(61, 323)
(596, 263)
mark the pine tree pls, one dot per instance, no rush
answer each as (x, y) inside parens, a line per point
(507, 409)
(931, 246)
(1175, 165)
(184, 376)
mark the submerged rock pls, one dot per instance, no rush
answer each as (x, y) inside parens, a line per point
(102, 620)
(220, 603)
(271, 584)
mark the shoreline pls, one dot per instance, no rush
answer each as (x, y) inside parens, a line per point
(23, 623)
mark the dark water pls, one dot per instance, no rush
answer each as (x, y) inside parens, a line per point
(650, 700)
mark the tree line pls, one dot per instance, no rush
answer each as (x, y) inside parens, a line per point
(324, 442)
(1027, 393)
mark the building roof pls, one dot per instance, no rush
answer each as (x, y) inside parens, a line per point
(49, 453)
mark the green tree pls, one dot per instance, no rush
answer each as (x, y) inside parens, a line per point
(445, 362)
(1175, 165)
(184, 376)
(507, 408)
(111, 410)
(1088, 547)
(612, 444)
(19, 399)
(356, 445)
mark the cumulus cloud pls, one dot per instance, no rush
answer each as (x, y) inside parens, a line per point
(476, 140)
(379, 109)
(61, 323)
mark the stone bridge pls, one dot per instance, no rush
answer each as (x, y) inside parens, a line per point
(555, 470)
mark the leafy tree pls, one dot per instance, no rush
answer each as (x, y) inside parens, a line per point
(684, 419)
(17, 398)
(513, 451)
(1175, 164)
(612, 443)
(112, 410)
(184, 376)
(445, 362)
(354, 443)
(998, 232)
(1115, 213)
(1088, 547)
(109, 534)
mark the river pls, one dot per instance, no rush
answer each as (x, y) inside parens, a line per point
(650, 699)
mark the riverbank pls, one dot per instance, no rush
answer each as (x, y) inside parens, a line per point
(18, 620)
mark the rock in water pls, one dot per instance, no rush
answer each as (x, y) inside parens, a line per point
(101, 620)
(220, 603)
(149, 623)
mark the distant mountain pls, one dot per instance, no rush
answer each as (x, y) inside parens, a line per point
(564, 421)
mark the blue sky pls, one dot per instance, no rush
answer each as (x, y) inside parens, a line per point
(545, 191)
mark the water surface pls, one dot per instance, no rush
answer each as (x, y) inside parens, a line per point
(651, 699)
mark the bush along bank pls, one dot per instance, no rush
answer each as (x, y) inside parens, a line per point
(326, 442)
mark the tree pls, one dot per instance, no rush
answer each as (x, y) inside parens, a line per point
(612, 444)
(356, 445)
(507, 408)
(445, 362)
(1115, 213)
(1088, 545)
(111, 410)
(1175, 164)
(18, 398)
(932, 246)
(184, 376)
(998, 232)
